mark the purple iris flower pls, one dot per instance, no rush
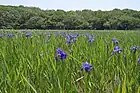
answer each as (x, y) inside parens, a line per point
(10, 35)
(59, 51)
(87, 67)
(61, 54)
(68, 41)
(28, 34)
(56, 34)
(90, 40)
(1, 35)
(139, 60)
(76, 34)
(115, 41)
(71, 38)
(117, 50)
(134, 49)
(74, 39)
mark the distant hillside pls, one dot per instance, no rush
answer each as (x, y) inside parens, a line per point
(20, 17)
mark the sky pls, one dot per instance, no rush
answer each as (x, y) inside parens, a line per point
(76, 4)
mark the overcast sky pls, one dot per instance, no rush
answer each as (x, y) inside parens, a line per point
(76, 4)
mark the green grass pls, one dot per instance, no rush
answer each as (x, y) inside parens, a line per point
(28, 65)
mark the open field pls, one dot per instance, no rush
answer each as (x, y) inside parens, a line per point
(69, 62)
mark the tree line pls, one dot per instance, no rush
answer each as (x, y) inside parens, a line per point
(21, 17)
